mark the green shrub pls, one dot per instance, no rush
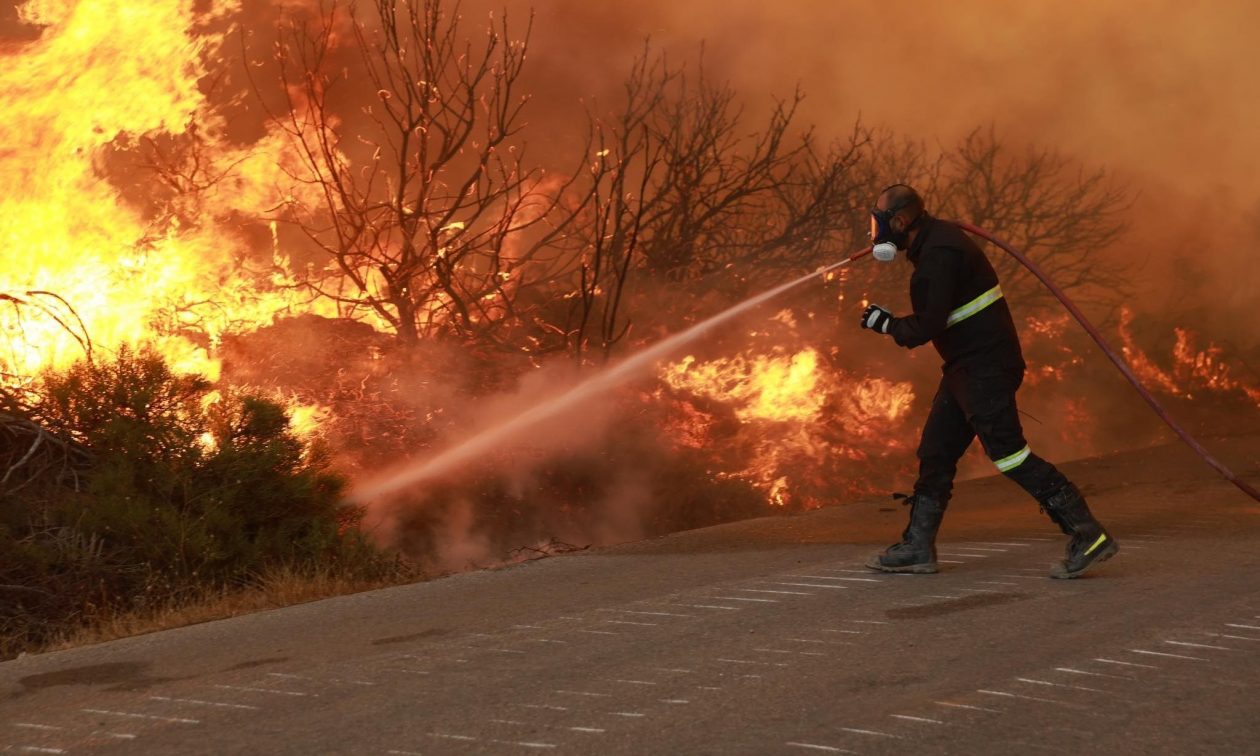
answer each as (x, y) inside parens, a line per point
(188, 490)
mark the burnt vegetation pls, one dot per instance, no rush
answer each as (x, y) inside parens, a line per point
(448, 263)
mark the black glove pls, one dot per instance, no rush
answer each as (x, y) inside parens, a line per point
(877, 319)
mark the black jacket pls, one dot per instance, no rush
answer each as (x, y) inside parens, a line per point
(949, 272)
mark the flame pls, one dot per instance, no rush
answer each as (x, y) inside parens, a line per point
(83, 265)
(798, 419)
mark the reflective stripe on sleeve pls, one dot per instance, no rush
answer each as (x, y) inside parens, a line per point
(974, 306)
(1006, 464)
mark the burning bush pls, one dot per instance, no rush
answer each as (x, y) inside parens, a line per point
(186, 491)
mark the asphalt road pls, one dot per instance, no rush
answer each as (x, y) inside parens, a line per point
(759, 637)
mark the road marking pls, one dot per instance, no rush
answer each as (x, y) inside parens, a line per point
(677, 670)
(909, 718)
(1232, 637)
(632, 622)
(129, 715)
(712, 606)
(755, 600)
(969, 556)
(635, 682)
(1004, 694)
(1125, 663)
(1072, 671)
(546, 640)
(1030, 681)
(524, 743)
(936, 595)
(869, 622)
(981, 548)
(762, 590)
(707, 687)
(851, 572)
(969, 707)
(828, 577)
(951, 561)
(509, 722)
(674, 701)
(547, 707)
(273, 691)
(810, 585)
(1198, 645)
(632, 714)
(447, 736)
(582, 693)
(816, 747)
(588, 729)
(119, 735)
(1025, 577)
(995, 582)
(979, 590)
(1243, 627)
(598, 632)
(846, 632)
(38, 749)
(653, 614)
(199, 702)
(530, 627)
(760, 663)
(1003, 543)
(870, 732)
(1170, 656)
(33, 726)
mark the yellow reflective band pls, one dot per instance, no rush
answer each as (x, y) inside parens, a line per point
(1102, 538)
(1006, 464)
(974, 306)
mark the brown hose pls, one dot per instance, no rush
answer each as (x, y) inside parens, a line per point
(1115, 358)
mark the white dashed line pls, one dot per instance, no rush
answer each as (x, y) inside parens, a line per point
(870, 732)
(758, 663)
(952, 705)
(1004, 694)
(1170, 656)
(630, 714)
(1030, 681)
(764, 590)
(653, 614)
(272, 691)
(546, 707)
(909, 718)
(446, 736)
(1125, 663)
(631, 622)
(816, 747)
(33, 726)
(583, 693)
(129, 715)
(635, 682)
(1199, 645)
(1071, 671)
(587, 729)
(809, 585)
(828, 577)
(1242, 627)
(598, 632)
(38, 749)
(199, 702)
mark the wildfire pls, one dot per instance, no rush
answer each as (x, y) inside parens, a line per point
(83, 266)
(1192, 369)
(798, 419)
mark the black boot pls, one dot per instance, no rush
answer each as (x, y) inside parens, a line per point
(1090, 541)
(917, 550)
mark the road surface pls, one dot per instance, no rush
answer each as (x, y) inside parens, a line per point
(758, 637)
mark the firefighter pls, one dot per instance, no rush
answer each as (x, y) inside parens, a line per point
(959, 307)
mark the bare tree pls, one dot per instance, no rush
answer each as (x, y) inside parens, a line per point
(430, 216)
(1062, 215)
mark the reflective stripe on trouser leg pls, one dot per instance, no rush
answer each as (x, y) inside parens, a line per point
(1008, 463)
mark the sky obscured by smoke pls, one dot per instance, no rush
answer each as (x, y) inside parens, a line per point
(1164, 94)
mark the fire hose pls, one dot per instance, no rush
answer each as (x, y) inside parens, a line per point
(1115, 358)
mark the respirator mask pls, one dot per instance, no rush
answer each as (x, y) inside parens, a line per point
(886, 241)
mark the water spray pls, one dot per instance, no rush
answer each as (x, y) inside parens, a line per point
(633, 366)
(414, 472)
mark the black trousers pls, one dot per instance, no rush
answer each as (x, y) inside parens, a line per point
(980, 402)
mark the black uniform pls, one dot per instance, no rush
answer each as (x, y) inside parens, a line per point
(958, 307)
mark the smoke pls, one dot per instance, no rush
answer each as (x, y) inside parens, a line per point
(1163, 95)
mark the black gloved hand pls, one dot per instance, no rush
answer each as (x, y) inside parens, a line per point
(877, 319)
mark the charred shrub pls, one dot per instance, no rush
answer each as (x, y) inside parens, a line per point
(187, 491)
